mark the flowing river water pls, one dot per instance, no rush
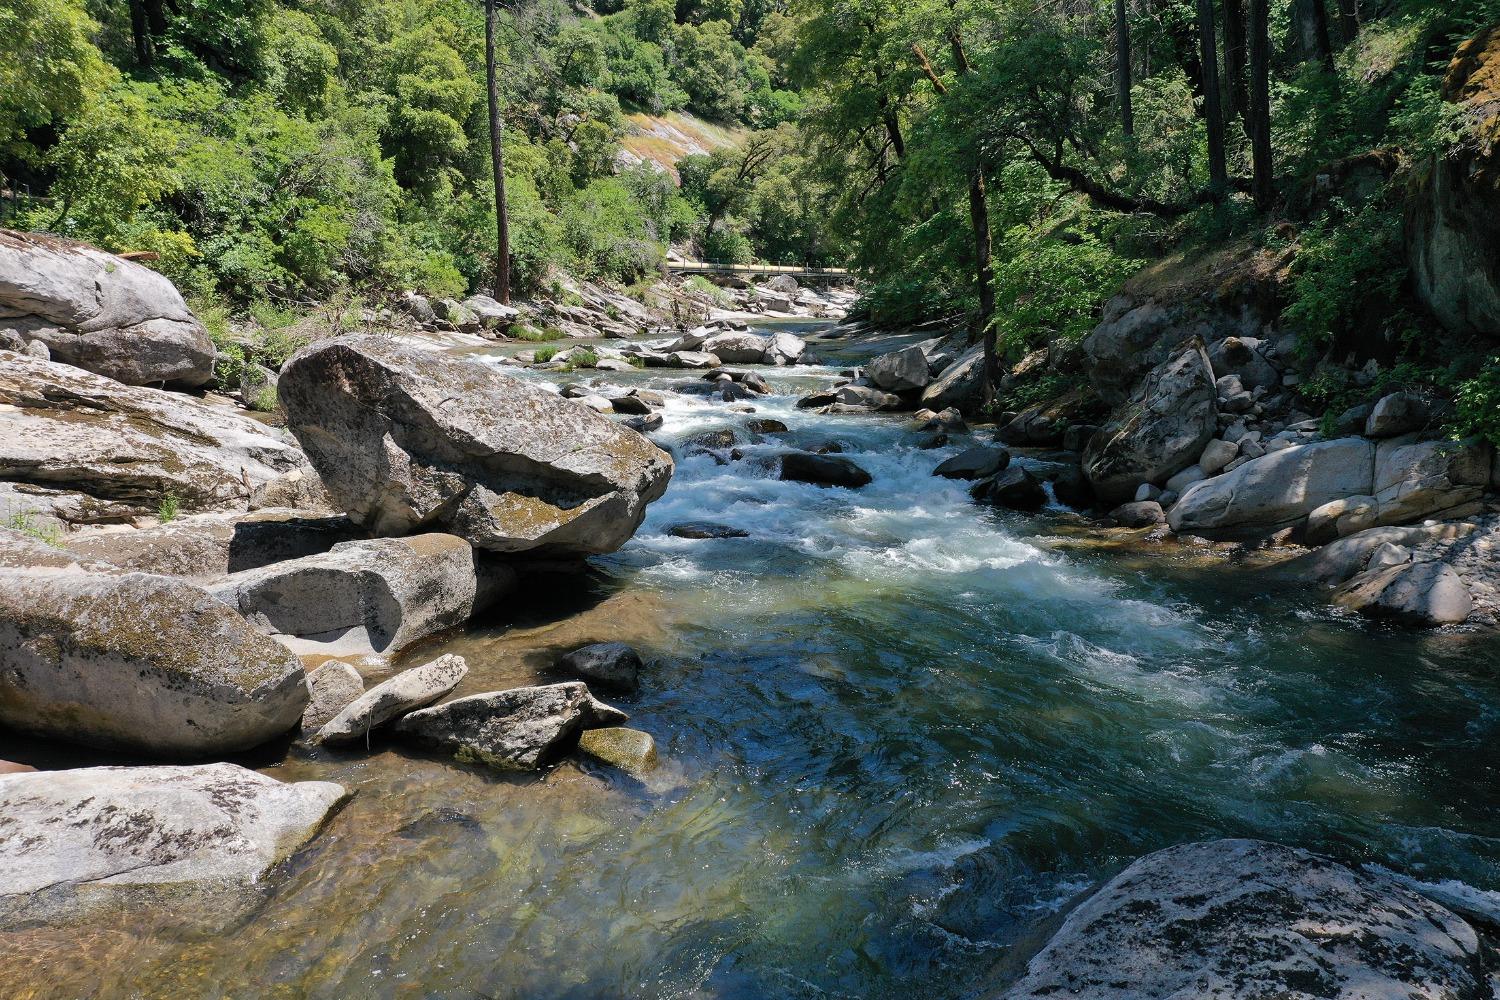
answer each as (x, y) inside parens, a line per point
(899, 733)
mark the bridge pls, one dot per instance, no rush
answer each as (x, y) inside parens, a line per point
(801, 273)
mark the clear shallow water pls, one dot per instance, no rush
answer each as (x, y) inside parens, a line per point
(898, 734)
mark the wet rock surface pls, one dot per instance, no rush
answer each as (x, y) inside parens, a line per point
(407, 691)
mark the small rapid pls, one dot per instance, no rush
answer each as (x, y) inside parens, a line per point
(899, 734)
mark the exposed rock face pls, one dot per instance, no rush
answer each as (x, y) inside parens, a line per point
(959, 384)
(1140, 514)
(900, 371)
(137, 662)
(784, 349)
(823, 470)
(331, 688)
(611, 664)
(515, 730)
(70, 840)
(99, 312)
(1416, 479)
(391, 699)
(1244, 358)
(1233, 919)
(71, 429)
(1453, 218)
(1276, 491)
(406, 440)
(371, 596)
(1159, 434)
(207, 546)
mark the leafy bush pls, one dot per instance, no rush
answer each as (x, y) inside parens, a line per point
(582, 357)
(265, 400)
(1050, 289)
(1348, 266)
(545, 354)
(168, 508)
(532, 335)
(1477, 404)
(702, 286)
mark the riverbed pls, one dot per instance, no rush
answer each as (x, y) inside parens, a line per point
(898, 734)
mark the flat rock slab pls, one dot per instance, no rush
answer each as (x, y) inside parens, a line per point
(407, 691)
(1232, 919)
(407, 440)
(137, 662)
(65, 428)
(705, 530)
(515, 730)
(69, 838)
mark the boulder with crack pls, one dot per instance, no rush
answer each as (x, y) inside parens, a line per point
(406, 441)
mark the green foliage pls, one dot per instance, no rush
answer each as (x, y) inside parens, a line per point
(532, 335)
(1349, 267)
(1477, 404)
(265, 400)
(1051, 288)
(50, 69)
(26, 523)
(1040, 390)
(582, 357)
(545, 354)
(702, 286)
(168, 508)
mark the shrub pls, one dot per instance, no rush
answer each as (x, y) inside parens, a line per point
(1051, 289)
(532, 335)
(25, 522)
(583, 358)
(1346, 268)
(265, 400)
(545, 354)
(168, 508)
(698, 283)
(1477, 404)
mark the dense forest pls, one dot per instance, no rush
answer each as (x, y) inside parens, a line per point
(1008, 163)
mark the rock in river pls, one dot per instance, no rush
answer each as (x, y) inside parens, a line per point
(823, 470)
(140, 663)
(100, 312)
(975, 463)
(628, 749)
(409, 690)
(1014, 488)
(72, 840)
(515, 730)
(612, 664)
(331, 688)
(1234, 919)
(407, 440)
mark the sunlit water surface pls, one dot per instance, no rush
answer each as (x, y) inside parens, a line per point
(898, 734)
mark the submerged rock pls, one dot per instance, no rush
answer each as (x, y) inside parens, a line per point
(1140, 514)
(66, 428)
(141, 663)
(630, 750)
(372, 596)
(1233, 919)
(515, 730)
(74, 840)
(407, 440)
(407, 691)
(612, 664)
(706, 530)
(100, 312)
(823, 470)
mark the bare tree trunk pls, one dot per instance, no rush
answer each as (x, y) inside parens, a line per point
(140, 33)
(1234, 58)
(1260, 102)
(1122, 67)
(1348, 19)
(497, 161)
(979, 219)
(1312, 16)
(1213, 109)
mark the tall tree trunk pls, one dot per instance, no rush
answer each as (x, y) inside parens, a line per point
(1348, 19)
(1260, 101)
(497, 161)
(1313, 18)
(140, 33)
(1122, 67)
(1234, 59)
(979, 219)
(1213, 107)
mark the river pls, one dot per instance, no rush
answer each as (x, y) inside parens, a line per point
(898, 734)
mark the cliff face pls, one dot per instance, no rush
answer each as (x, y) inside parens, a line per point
(1453, 220)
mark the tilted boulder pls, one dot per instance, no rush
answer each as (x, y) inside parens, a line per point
(1232, 919)
(407, 440)
(389, 700)
(515, 730)
(1276, 491)
(100, 312)
(141, 663)
(1160, 433)
(959, 385)
(74, 840)
(1421, 479)
(1425, 593)
(737, 347)
(66, 428)
(376, 595)
(900, 371)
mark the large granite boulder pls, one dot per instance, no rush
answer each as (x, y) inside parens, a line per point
(1418, 479)
(140, 663)
(407, 440)
(515, 730)
(1275, 491)
(959, 385)
(208, 546)
(1425, 593)
(71, 841)
(737, 347)
(1159, 433)
(100, 312)
(371, 596)
(900, 371)
(65, 428)
(1233, 919)
(1453, 217)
